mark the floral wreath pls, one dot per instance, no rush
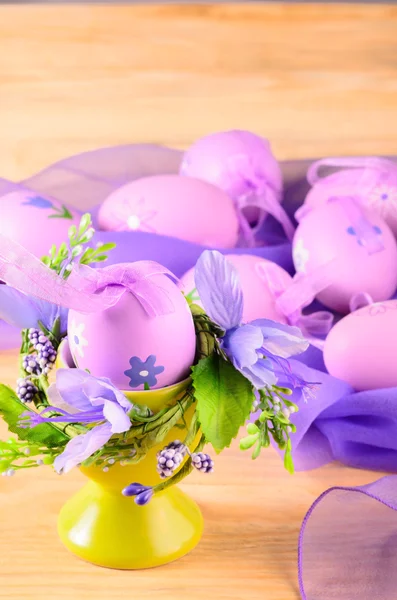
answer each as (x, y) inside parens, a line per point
(241, 373)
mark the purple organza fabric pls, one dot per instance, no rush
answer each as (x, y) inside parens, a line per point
(347, 546)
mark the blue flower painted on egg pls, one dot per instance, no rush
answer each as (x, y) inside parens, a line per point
(352, 231)
(38, 202)
(142, 372)
(61, 212)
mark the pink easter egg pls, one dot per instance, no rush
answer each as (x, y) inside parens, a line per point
(350, 252)
(188, 209)
(361, 347)
(259, 301)
(35, 221)
(375, 188)
(130, 347)
(238, 162)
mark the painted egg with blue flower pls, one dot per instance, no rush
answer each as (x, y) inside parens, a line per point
(375, 186)
(345, 250)
(130, 346)
(256, 276)
(361, 347)
(35, 221)
(181, 207)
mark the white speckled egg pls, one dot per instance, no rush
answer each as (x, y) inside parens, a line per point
(132, 348)
(181, 207)
(259, 301)
(34, 221)
(330, 237)
(362, 347)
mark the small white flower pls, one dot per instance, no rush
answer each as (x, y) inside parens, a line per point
(76, 338)
(300, 256)
(383, 199)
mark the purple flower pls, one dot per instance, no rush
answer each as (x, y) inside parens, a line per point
(143, 493)
(24, 311)
(253, 348)
(88, 400)
(143, 372)
(38, 202)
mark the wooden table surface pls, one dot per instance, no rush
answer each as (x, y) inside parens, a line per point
(316, 80)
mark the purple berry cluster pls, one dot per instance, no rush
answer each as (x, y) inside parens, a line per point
(46, 357)
(170, 458)
(26, 389)
(46, 353)
(202, 462)
(31, 365)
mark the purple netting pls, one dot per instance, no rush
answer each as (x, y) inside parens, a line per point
(347, 542)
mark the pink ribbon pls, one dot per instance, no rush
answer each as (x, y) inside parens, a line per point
(292, 298)
(369, 162)
(262, 196)
(359, 301)
(86, 290)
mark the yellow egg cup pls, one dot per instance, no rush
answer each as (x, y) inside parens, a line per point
(102, 526)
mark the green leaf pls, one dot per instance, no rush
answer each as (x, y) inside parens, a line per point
(11, 409)
(224, 399)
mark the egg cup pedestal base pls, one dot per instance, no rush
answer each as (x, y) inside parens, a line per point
(110, 530)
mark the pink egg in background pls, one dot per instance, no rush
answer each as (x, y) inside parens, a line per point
(361, 348)
(181, 207)
(374, 186)
(124, 338)
(35, 221)
(259, 301)
(328, 243)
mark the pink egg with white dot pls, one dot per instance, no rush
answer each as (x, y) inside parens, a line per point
(181, 207)
(253, 271)
(374, 185)
(35, 221)
(347, 249)
(133, 348)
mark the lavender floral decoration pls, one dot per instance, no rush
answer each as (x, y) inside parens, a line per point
(90, 401)
(254, 348)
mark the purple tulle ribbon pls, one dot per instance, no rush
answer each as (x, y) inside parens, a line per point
(86, 290)
(348, 544)
(363, 162)
(291, 299)
(263, 197)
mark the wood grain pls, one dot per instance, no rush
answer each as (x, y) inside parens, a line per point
(316, 80)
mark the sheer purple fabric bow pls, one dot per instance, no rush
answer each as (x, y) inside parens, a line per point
(260, 195)
(291, 299)
(86, 290)
(255, 348)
